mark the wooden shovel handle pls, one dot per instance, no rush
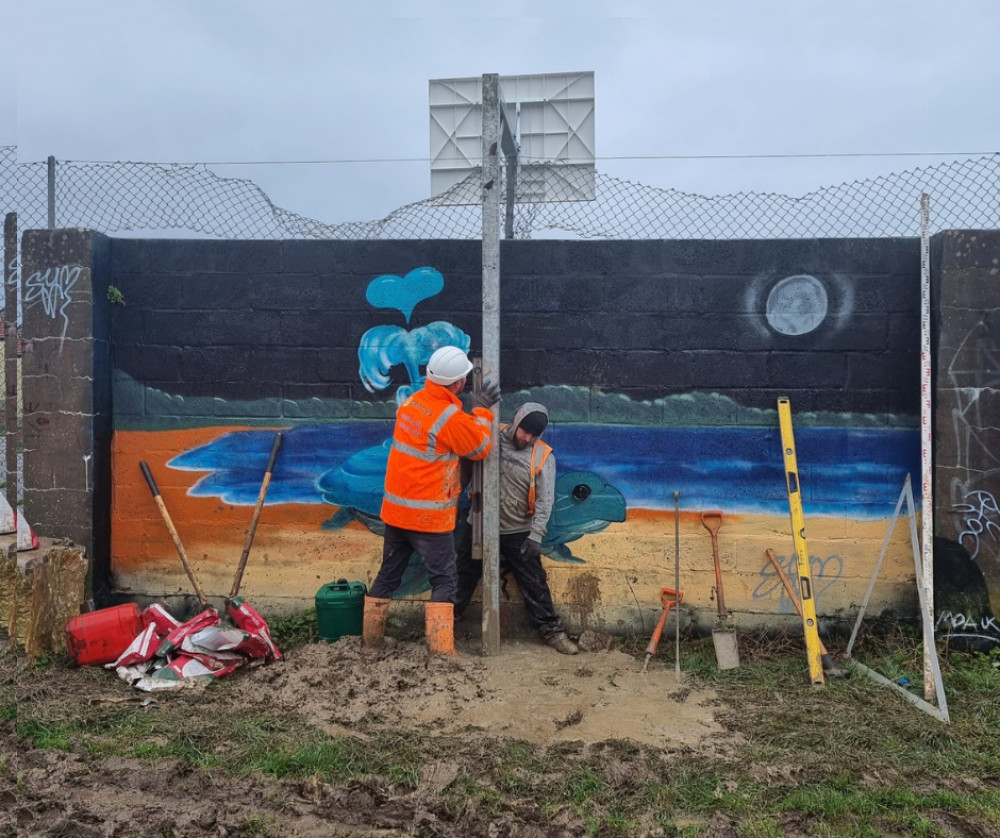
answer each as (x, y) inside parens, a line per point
(792, 595)
(238, 578)
(173, 534)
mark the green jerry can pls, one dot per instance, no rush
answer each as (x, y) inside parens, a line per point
(340, 609)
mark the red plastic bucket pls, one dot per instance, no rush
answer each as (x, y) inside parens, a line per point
(101, 636)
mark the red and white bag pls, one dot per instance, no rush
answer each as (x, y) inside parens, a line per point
(140, 650)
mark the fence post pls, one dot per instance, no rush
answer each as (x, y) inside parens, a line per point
(491, 356)
(10, 355)
(52, 192)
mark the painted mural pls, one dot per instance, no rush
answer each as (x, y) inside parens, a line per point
(616, 482)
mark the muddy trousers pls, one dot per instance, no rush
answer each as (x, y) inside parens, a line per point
(528, 573)
(437, 549)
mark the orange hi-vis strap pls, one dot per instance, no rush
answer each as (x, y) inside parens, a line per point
(535, 469)
(546, 450)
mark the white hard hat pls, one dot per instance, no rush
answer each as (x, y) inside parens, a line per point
(448, 365)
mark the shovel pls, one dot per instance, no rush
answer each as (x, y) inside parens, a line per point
(670, 597)
(256, 517)
(173, 534)
(241, 567)
(726, 651)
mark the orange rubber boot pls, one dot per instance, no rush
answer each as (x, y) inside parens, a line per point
(373, 625)
(439, 620)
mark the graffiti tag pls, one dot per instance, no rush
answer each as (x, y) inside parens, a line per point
(51, 288)
(980, 515)
(955, 621)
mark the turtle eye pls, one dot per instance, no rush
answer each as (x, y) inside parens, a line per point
(581, 491)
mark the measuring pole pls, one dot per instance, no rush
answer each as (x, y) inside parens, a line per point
(926, 449)
(491, 357)
(814, 651)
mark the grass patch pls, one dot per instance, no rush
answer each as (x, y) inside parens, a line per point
(295, 629)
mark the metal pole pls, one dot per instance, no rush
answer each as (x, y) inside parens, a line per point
(508, 228)
(677, 584)
(10, 354)
(926, 441)
(52, 192)
(491, 356)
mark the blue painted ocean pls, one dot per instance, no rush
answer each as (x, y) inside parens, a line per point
(843, 472)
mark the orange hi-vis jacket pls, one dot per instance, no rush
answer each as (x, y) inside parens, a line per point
(422, 478)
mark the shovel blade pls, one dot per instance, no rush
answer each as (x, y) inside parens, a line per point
(727, 653)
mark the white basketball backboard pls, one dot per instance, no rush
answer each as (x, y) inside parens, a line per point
(551, 116)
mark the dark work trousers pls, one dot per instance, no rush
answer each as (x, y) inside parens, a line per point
(437, 549)
(529, 574)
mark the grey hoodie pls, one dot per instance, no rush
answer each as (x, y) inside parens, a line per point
(515, 474)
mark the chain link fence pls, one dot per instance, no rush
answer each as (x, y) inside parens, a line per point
(116, 196)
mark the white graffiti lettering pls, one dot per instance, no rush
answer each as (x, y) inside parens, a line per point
(980, 514)
(955, 621)
(51, 288)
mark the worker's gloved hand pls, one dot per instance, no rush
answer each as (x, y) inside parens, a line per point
(531, 549)
(488, 396)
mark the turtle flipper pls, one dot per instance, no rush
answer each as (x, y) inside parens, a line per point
(562, 553)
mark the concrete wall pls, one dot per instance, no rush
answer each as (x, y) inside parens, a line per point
(661, 363)
(66, 396)
(967, 421)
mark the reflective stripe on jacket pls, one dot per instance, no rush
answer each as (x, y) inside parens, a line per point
(422, 480)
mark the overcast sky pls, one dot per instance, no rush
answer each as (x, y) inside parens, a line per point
(216, 81)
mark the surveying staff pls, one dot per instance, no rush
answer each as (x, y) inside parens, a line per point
(422, 485)
(527, 495)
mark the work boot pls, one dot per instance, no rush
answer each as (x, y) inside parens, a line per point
(439, 622)
(373, 625)
(561, 643)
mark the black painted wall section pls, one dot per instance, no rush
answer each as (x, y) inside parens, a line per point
(967, 432)
(259, 325)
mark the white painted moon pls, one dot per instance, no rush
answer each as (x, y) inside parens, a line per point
(796, 305)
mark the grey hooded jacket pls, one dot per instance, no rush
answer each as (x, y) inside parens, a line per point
(515, 475)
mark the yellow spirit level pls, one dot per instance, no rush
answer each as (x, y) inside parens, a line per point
(813, 647)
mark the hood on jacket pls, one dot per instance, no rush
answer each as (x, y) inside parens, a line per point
(533, 416)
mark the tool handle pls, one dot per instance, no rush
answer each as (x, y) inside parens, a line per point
(242, 566)
(669, 597)
(709, 514)
(149, 478)
(787, 583)
(173, 534)
(707, 517)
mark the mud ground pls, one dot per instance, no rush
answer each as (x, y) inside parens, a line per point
(528, 692)
(589, 709)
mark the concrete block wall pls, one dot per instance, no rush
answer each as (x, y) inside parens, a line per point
(67, 396)
(967, 432)
(218, 341)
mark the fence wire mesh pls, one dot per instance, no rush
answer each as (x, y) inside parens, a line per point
(119, 196)
(113, 197)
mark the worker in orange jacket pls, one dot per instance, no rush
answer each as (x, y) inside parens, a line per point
(422, 485)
